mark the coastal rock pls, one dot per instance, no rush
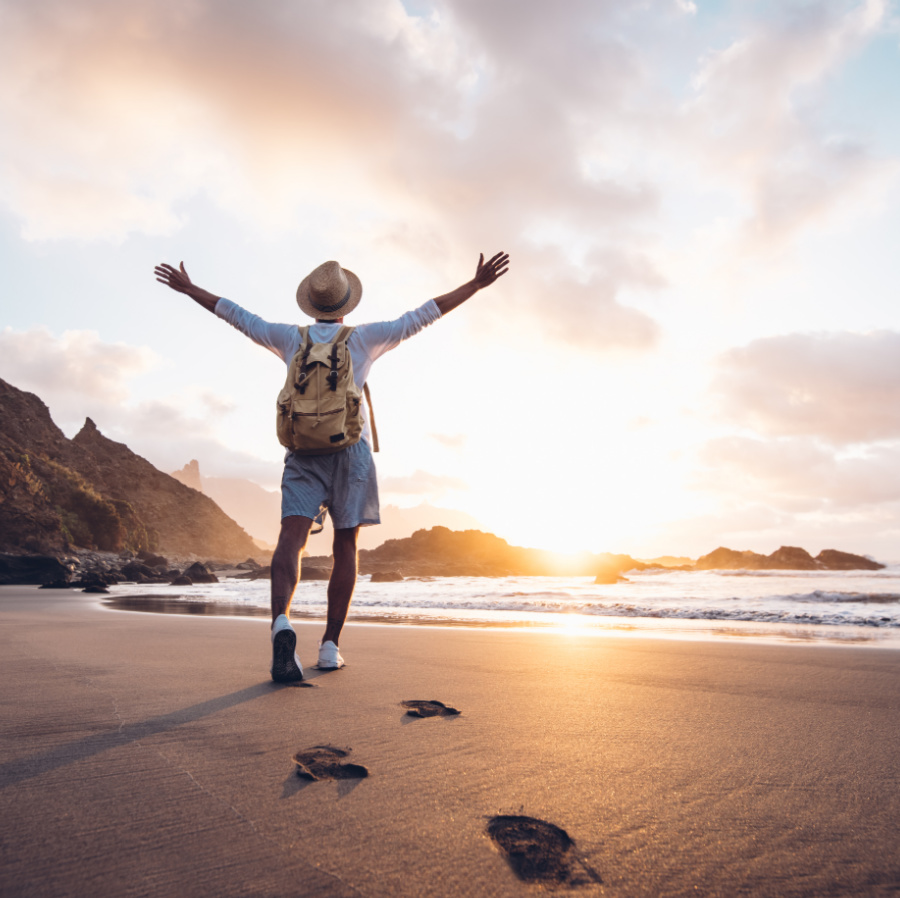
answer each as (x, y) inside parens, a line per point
(264, 573)
(218, 566)
(791, 558)
(200, 573)
(312, 572)
(723, 559)
(137, 572)
(97, 578)
(386, 577)
(181, 580)
(152, 560)
(31, 569)
(614, 566)
(249, 565)
(787, 558)
(834, 560)
(440, 552)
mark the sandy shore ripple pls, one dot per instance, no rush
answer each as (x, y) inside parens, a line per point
(150, 755)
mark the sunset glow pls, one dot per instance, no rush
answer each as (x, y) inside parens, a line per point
(698, 342)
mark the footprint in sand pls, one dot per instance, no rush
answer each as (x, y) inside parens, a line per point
(538, 851)
(323, 762)
(419, 708)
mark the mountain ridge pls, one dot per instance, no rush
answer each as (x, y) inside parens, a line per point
(91, 492)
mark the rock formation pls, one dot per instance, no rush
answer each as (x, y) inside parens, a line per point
(58, 494)
(189, 475)
(441, 552)
(787, 558)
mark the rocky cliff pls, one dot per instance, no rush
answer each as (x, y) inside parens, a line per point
(91, 492)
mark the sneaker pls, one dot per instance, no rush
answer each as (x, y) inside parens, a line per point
(329, 656)
(286, 666)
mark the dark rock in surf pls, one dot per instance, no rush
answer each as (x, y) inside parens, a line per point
(31, 569)
(791, 558)
(137, 572)
(200, 573)
(834, 560)
(151, 560)
(386, 577)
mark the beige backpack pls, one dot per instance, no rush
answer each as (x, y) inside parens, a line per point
(319, 407)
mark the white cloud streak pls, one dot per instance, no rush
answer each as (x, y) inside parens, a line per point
(755, 119)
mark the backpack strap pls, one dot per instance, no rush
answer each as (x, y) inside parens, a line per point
(371, 417)
(342, 336)
(305, 346)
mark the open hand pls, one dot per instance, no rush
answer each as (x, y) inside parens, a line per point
(176, 278)
(488, 272)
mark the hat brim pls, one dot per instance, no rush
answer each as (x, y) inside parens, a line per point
(307, 307)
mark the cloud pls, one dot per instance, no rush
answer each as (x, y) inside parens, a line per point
(423, 483)
(454, 441)
(798, 475)
(77, 367)
(756, 118)
(429, 135)
(471, 120)
(841, 387)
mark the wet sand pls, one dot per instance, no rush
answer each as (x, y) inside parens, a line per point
(146, 754)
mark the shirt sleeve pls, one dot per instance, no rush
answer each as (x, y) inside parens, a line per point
(282, 339)
(379, 337)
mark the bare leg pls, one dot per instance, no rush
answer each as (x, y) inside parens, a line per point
(286, 561)
(342, 582)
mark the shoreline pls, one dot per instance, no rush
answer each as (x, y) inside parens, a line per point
(195, 601)
(688, 629)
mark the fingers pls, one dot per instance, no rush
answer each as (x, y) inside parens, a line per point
(170, 276)
(499, 264)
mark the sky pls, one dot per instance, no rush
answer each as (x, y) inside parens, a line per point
(698, 341)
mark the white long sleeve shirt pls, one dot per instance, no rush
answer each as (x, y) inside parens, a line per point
(367, 342)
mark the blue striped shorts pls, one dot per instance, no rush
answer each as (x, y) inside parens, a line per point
(343, 483)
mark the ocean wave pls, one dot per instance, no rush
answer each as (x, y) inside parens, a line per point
(684, 609)
(840, 600)
(889, 571)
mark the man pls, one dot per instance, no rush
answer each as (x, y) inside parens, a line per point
(344, 483)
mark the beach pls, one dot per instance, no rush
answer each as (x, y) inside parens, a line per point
(149, 754)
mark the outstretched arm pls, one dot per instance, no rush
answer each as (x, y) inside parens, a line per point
(178, 280)
(485, 275)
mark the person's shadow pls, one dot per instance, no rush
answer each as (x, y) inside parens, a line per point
(14, 772)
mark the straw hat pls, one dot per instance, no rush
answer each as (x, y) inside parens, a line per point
(329, 291)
